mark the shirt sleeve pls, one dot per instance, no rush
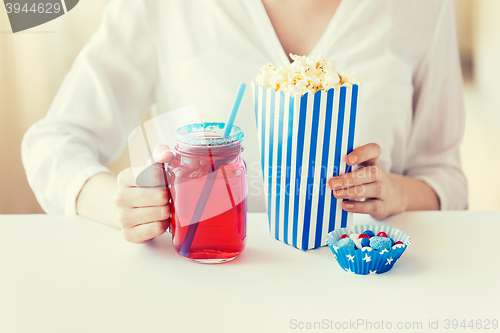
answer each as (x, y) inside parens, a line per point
(433, 153)
(102, 99)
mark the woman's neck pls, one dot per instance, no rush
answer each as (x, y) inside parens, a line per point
(299, 24)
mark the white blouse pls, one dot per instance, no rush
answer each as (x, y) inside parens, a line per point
(173, 53)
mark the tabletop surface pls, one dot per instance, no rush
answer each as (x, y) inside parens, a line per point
(70, 274)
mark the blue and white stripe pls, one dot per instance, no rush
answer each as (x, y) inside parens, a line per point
(304, 141)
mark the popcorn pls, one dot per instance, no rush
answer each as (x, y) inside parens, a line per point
(305, 75)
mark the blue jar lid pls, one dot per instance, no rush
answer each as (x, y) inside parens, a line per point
(208, 134)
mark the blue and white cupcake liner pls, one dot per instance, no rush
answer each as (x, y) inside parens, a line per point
(366, 260)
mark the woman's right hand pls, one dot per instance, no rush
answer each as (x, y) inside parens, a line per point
(143, 206)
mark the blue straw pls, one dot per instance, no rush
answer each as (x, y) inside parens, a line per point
(234, 110)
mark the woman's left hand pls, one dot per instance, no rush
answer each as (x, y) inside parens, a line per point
(384, 196)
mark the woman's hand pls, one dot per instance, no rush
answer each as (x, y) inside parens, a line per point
(144, 211)
(383, 191)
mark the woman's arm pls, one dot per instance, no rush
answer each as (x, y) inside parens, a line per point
(417, 194)
(142, 212)
(433, 151)
(433, 178)
(102, 99)
(96, 199)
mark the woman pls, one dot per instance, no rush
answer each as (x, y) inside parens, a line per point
(173, 53)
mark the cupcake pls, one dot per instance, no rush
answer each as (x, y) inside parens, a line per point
(367, 249)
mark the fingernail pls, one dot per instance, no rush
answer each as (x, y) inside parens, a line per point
(349, 206)
(353, 158)
(334, 182)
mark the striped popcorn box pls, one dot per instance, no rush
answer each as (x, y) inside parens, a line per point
(304, 141)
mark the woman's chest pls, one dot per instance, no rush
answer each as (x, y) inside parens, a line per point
(202, 61)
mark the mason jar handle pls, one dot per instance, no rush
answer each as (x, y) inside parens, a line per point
(166, 177)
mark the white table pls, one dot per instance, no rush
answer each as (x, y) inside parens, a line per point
(61, 274)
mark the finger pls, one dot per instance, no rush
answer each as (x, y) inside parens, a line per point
(145, 232)
(153, 172)
(364, 175)
(368, 153)
(163, 154)
(374, 207)
(142, 197)
(154, 175)
(126, 178)
(371, 190)
(136, 216)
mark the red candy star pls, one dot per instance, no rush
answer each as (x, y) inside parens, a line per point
(398, 242)
(363, 236)
(382, 234)
(344, 236)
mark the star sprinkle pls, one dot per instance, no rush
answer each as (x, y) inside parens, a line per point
(367, 258)
(389, 261)
(349, 271)
(349, 257)
(373, 272)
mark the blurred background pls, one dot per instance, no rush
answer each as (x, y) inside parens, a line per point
(33, 64)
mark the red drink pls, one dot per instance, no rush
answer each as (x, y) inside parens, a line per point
(207, 180)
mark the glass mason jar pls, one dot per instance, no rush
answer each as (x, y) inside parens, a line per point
(208, 185)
